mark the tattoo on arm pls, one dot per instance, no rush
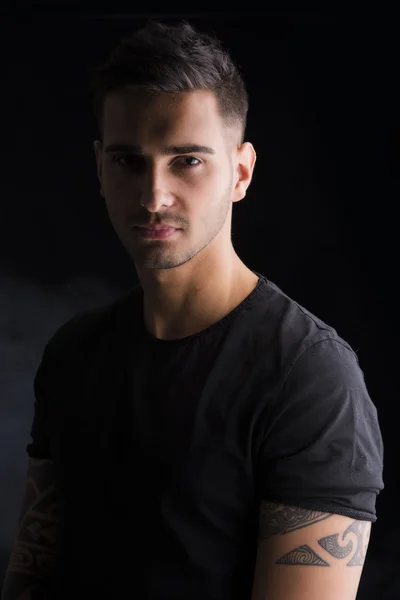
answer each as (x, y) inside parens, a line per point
(362, 531)
(277, 519)
(34, 552)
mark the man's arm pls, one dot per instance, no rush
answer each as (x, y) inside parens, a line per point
(307, 554)
(34, 551)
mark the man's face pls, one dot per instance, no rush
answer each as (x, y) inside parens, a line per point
(167, 160)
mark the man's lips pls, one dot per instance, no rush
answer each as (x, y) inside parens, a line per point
(156, 232)
(157, 227)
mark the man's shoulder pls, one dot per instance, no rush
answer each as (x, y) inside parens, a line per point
(291, 327)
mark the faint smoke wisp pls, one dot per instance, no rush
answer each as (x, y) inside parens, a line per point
(29, 315)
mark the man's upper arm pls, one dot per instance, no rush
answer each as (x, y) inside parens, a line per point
(34, 551)
(322, 448)
(307, 554)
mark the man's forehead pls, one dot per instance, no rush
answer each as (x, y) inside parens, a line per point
(162, 119)
(200, 106)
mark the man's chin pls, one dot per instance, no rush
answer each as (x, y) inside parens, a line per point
(159, 261)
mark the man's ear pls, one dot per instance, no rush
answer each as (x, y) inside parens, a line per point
(246, 160)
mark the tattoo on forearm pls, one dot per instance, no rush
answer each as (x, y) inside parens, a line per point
(34, 552)
(277, 519)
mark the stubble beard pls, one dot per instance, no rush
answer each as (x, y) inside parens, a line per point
(159, 254)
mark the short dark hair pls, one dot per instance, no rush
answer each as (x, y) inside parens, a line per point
(173, 58)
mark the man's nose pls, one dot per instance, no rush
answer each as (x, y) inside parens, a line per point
(156, 193)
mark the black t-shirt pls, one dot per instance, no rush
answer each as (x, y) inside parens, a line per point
(164, 449)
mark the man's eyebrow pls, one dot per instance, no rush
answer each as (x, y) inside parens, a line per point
(167, 151)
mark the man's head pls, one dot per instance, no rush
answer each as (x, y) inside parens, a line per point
(171, 108)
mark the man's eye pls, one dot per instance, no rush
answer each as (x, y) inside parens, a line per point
(188, 161)
(124, 160)
(131, 161)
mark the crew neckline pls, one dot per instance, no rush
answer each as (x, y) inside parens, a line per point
(261, 283)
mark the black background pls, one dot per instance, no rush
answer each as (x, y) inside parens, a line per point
(319, 219)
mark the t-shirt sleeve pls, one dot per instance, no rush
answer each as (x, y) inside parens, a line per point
(322, 447)
(39, 447)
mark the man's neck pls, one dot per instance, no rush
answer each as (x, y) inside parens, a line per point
(182, 302)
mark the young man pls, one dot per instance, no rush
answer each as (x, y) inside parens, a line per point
(204, 437)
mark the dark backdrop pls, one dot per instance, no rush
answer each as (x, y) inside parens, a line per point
(319, 218)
